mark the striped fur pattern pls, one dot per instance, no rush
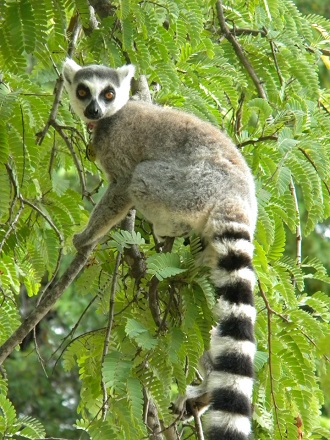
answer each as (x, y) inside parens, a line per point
(183, 175)
(232, 348)
(228, 367)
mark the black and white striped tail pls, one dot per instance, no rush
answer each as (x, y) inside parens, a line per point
(232, 344)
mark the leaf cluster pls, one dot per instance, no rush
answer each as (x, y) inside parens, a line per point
(160, 323)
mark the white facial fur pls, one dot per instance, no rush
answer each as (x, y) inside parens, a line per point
(101, 78)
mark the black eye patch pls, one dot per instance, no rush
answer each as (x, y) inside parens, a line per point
(82, 92)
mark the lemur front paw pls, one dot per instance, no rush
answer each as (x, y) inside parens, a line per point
(196, 398)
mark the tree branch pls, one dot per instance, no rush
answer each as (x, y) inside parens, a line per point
(246, 31)
(238, 50)
(134, 258)
(140, 89)
(325, 52)
(152, 419)
(45, 305)
(153, 289)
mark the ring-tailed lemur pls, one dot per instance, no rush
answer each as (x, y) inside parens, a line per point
(182, 174)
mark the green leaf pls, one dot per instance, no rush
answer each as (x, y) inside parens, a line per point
(135, 330)
(164, 265)
(135, 398)
(124, 239)
(116, 369)
(32, 429)
(260, 360)
(261, 107)
(7, 416)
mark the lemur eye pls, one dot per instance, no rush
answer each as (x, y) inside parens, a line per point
(82, 93)
(109, 95)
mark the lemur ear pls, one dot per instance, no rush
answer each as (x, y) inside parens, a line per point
(126, 72)
(70, 68)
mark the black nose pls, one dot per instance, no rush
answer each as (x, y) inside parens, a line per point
(93, 110)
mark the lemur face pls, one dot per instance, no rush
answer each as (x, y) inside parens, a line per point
(97, 91)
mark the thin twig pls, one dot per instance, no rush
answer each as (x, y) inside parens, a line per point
(15, 186)
(39, 356)
(23, 145)
(72, 331)
(270, 355)
(239, 115)
(263, 32)
(245, 31)
(310, 160)
(12, 224)
(288, 321)
(61, 243)
(52, 438)
(325, 52)
(277, 67)
(108, 331)
(298, 227)
(198, 424)
(162, 325)
(47, 297)
(59, 86)
(271, 312)
(48, 220)
(271, 137)
(154, 301)
(77, 163)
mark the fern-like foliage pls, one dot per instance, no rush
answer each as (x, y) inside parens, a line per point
(160, 324)
(21, 427)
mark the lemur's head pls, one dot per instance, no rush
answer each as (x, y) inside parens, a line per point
(97, 91)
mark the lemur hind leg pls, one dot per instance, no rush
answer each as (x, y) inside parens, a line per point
(173, 198)
(197, 398)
